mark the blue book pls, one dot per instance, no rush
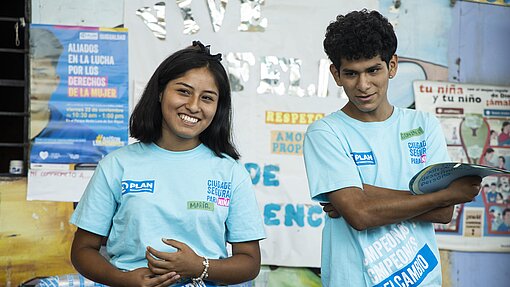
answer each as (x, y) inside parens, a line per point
(438, 176)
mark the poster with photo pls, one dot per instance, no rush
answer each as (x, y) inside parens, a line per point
(78, 105)
(476, 125)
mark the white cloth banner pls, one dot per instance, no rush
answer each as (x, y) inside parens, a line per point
(279, 84)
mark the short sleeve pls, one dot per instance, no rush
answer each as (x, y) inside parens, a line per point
(437, 150)
(244, 220)
(97, 206)
(328, 162)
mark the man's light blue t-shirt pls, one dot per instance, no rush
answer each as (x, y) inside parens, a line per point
(342, 152)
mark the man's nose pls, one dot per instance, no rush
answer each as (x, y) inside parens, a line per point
(363, 83)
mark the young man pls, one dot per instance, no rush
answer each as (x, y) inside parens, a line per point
(360, 160)
(492, 194)
(505, 226)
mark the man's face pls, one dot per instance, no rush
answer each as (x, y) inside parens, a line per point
(506, 218)
(44, 81)
(506, 129)
(365, 81)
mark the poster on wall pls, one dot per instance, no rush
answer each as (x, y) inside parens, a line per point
(476, 124)
(78, 105)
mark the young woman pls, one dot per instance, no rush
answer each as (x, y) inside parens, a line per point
(170, 202)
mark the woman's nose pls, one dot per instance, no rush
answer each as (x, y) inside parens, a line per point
(193, 104)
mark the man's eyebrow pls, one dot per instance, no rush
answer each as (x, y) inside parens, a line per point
(347, 70)
(378, 65)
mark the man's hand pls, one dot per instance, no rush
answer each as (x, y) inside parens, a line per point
(330, 210)
(464, 189)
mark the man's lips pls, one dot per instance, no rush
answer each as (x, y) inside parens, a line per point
(365, 97)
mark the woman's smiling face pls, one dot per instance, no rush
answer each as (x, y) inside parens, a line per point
(188, 105)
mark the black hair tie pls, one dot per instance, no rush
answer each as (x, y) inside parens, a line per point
(206, 50)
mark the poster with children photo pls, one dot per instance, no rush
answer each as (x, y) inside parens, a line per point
(504, 188)
(496, 157)
(499, 131)
(498, 217)
(490, 192)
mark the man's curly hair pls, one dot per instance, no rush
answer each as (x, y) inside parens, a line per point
(360, 35)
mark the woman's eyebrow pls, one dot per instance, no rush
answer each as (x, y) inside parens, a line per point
(191, 87)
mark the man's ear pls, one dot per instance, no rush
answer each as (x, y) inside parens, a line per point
(393, 66)
(336, 74)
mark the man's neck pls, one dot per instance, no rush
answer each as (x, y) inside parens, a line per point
(380, 115)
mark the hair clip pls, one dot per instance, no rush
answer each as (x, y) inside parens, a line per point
(206, 50)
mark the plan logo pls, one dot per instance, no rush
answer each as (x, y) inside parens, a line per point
(88, 36)
(363, 158)
(134, 186)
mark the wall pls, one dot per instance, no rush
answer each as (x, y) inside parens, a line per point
(478, 47)
(476, 50)
(482, 46)
(80, 13)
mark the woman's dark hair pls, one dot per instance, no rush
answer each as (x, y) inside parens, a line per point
(146, 119)
(360, 34)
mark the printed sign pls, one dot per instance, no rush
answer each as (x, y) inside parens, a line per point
(476, 124)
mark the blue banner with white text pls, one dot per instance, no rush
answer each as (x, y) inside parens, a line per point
(79, 93)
